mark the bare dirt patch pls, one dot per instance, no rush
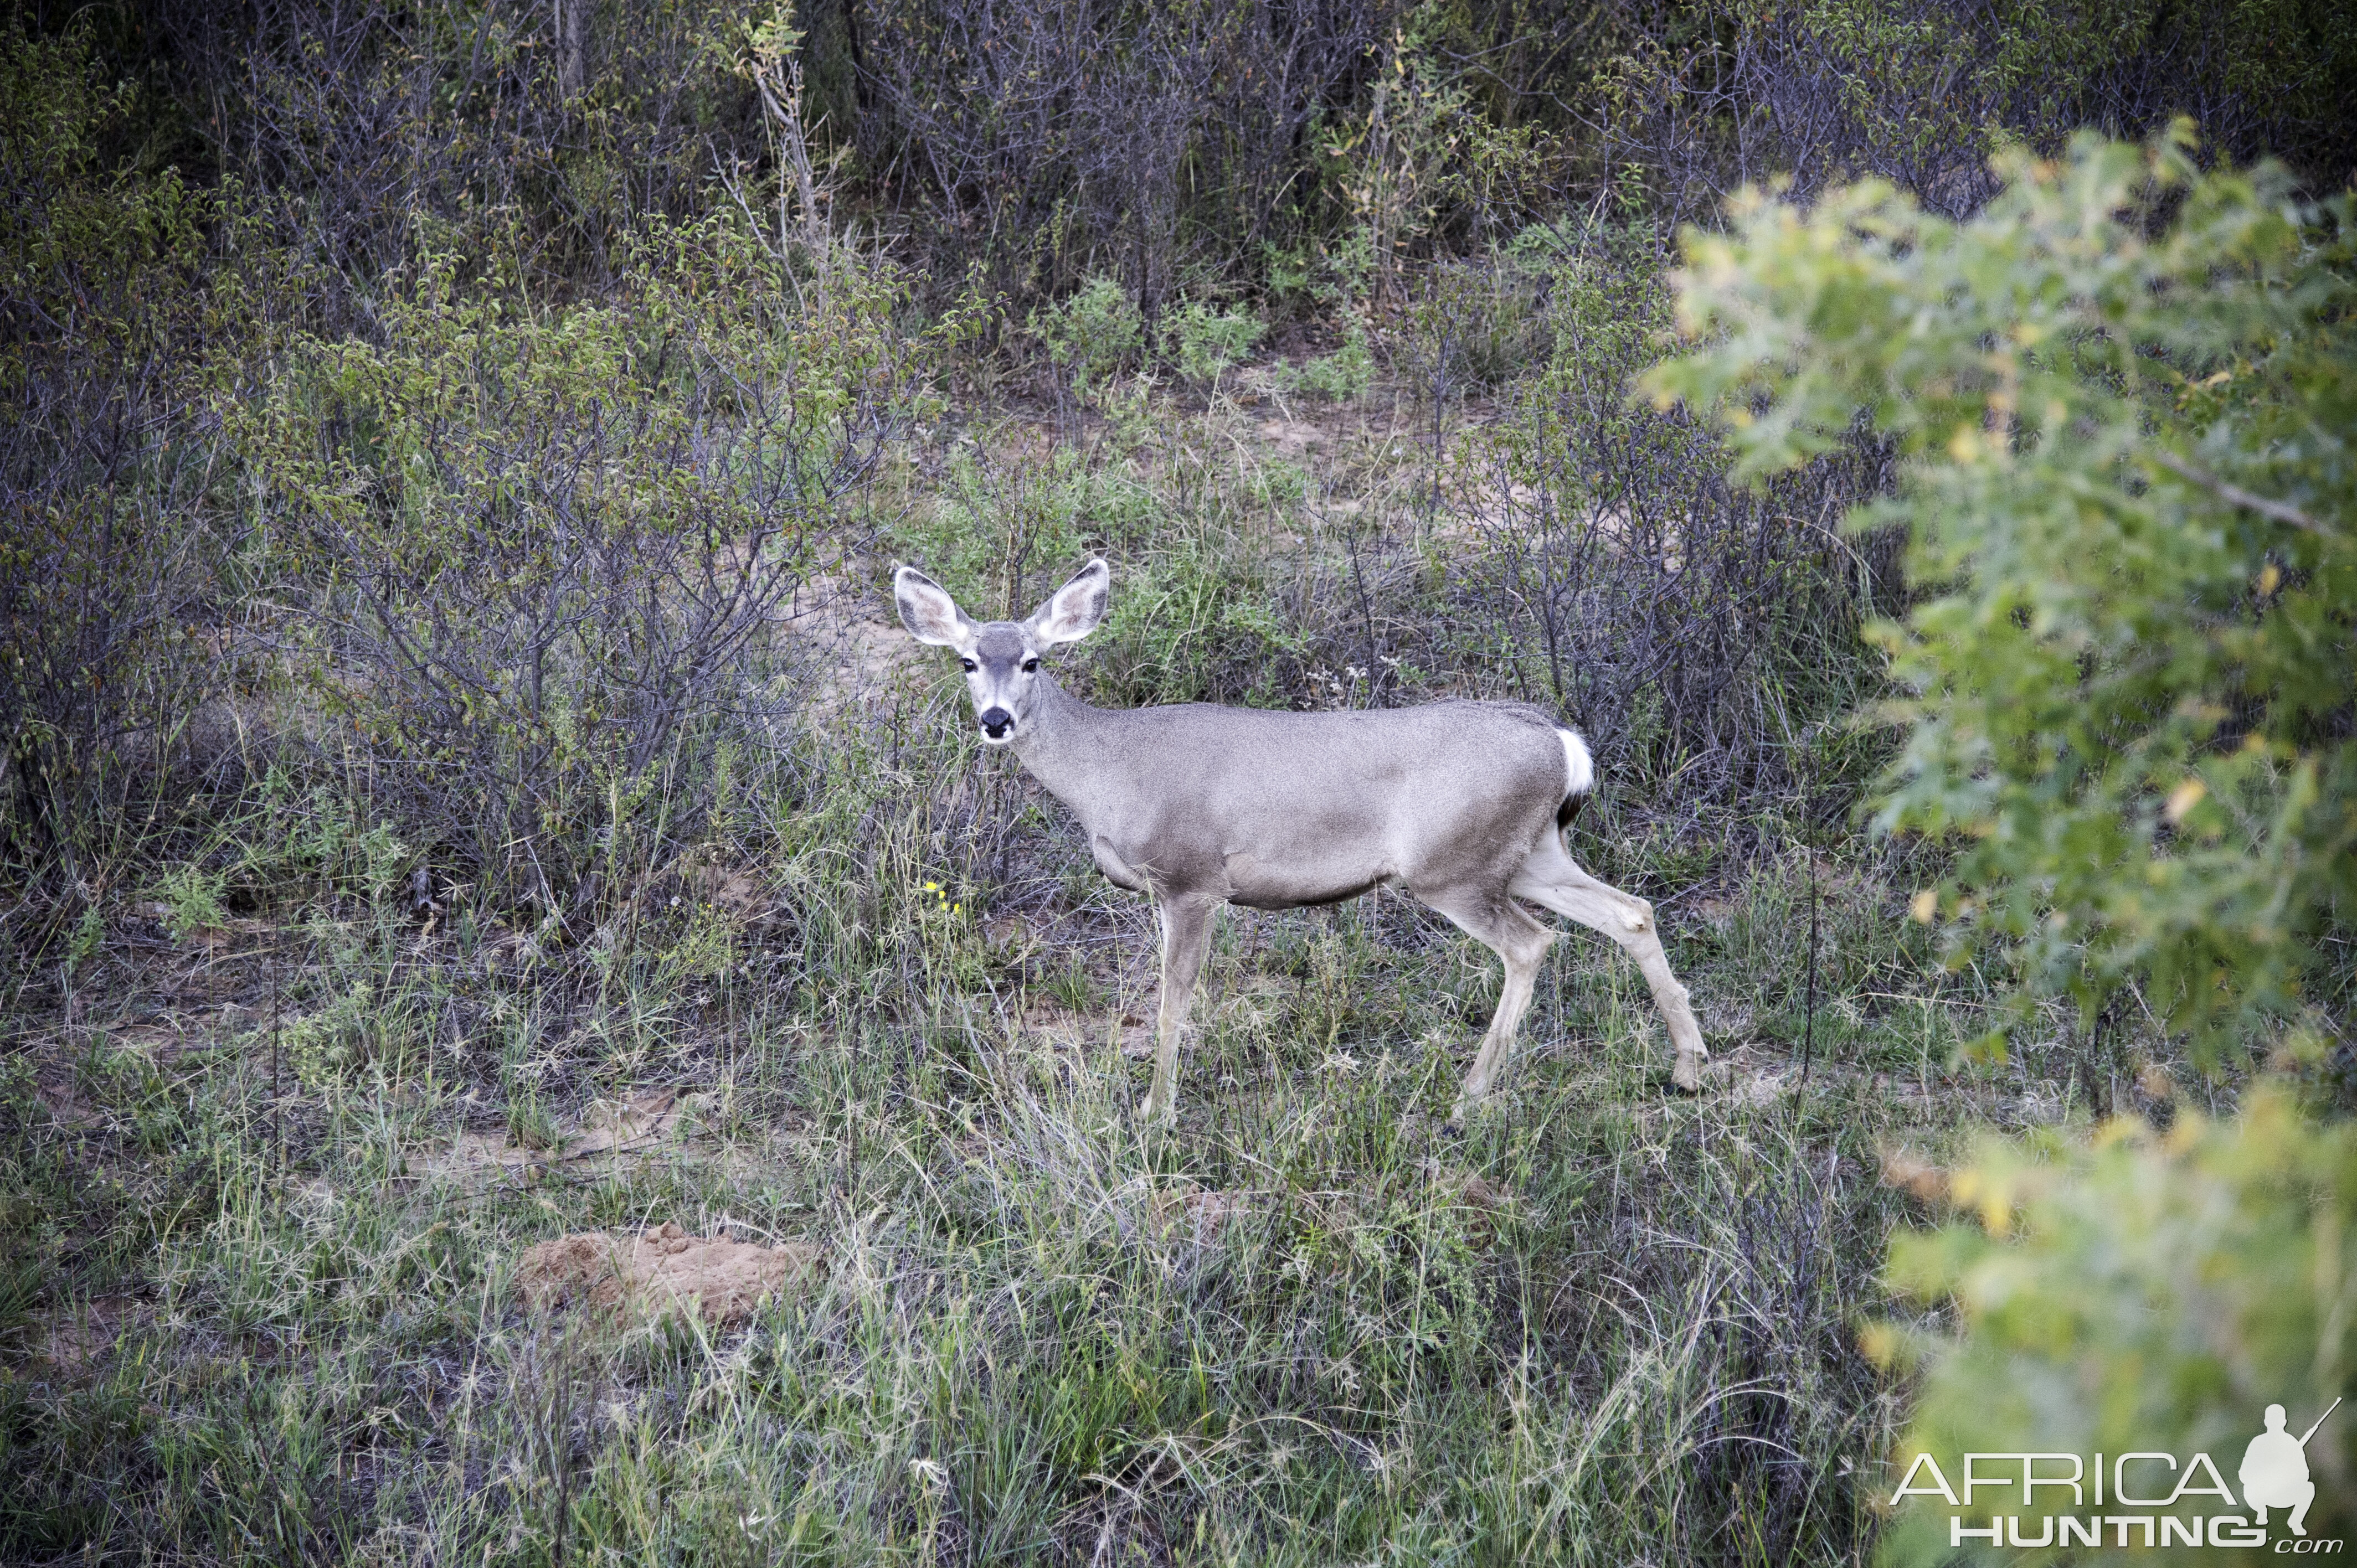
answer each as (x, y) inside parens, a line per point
(1199, 1213)
(860, 652)
(81, 1336)
(664, 1268)
(1293, 437)
(634, 1123)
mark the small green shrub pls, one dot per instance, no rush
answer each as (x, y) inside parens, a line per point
(1194, 623)
(89, 931)
(1092, 335)
(1207, 341)
(192, 895)
(1003, 535)
(1289, 273)
(324, 1045)
(1278, 484)
(1344, 375)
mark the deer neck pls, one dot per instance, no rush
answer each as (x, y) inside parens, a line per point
(1062, 744)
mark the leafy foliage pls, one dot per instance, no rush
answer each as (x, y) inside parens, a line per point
(1207, 341)
(1092, 334)
(1344, 374)
(1003, 535)
(2131, 494)
(2140, 1291)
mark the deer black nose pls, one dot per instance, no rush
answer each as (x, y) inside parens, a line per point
(996, 722)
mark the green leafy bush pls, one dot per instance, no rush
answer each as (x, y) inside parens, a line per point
(1342, 375)
(2123, 394)
(193, 897)
(1195, 620)
(109, 471)
(1003, 535)
(1207, 341)
(2137, 1292)
(1092, 334)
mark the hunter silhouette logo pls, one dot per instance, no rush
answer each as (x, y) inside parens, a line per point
(2275, 1471)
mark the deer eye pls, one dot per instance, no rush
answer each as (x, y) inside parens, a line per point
(970, 665)
(1029, 665)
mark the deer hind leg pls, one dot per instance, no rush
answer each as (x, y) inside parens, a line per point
(1521, 942)
(1185, 938)
(1553, 879)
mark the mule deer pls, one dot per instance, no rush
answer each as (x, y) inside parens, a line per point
(1461, 803)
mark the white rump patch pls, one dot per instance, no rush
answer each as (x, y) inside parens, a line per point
(1581, 766)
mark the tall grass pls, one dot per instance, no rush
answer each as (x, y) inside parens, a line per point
(1292, 1331)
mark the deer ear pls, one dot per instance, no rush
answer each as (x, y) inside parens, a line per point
(929, 612)
(1073, 610)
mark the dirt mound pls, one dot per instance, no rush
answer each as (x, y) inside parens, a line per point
(662, 1268)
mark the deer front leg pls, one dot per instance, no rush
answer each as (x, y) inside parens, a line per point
(1519, 940)
(1185, 938)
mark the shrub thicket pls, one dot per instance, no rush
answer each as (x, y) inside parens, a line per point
(113, 477)
(541, 549)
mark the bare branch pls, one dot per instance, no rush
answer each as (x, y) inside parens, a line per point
(2281, 511)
